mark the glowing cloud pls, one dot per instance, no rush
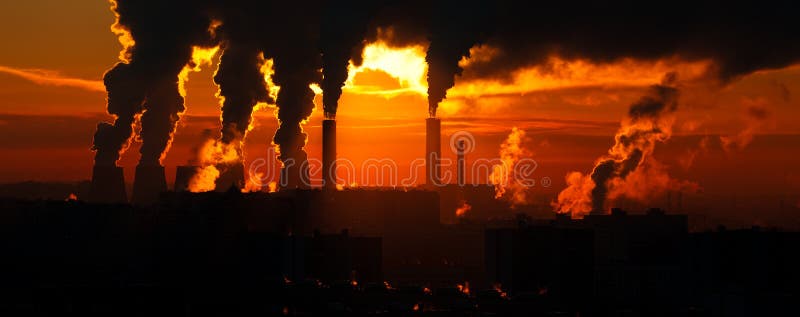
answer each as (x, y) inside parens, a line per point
(406, 64)
(53, 78)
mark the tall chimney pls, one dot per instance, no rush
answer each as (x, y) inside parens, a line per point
(149, 182)
(433, 151)
(461, 163)
(183, 177)
(329, 154)
(108, 185)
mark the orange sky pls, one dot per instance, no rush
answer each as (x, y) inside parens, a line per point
(51, 97)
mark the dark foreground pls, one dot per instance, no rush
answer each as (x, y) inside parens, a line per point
(263, 255)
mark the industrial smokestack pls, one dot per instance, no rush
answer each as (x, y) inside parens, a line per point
(149, 182)
(461, 162)
(108, 185)
(329, 154)
(230, 176)
(433, 151)
(183, 177)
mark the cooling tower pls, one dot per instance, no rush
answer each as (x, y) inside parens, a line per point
(183, 177)
(433, 151)
(295, 176)
(148, 184)
(108, 185)
(329, 154)
(230, 176)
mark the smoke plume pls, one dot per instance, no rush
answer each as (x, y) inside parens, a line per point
(455, 28)
(342, 39)
(628, 170)
(241, 86)
(158, 40)
(267, 43)
(297, 67)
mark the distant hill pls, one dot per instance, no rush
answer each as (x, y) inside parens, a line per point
(44, 190)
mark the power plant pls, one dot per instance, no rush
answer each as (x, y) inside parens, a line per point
(108, 185)
(149, 182)
(231, 176)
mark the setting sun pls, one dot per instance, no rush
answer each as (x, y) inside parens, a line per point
(406, 65)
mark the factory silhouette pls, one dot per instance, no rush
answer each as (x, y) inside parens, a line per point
(376, 251)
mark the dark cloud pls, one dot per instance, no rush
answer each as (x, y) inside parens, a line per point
(740, 38)
(737, 38)
(400, 23)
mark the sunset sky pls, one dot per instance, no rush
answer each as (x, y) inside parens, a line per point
(52, 97)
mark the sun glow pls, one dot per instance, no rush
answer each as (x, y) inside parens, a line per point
(406, 64)
(557, 73)
(123, 35)
(201, 57)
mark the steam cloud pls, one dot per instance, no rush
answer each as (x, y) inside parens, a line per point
(286, 33)
(637, 139)
(511, 177)
(629, 169)
(242, 85)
